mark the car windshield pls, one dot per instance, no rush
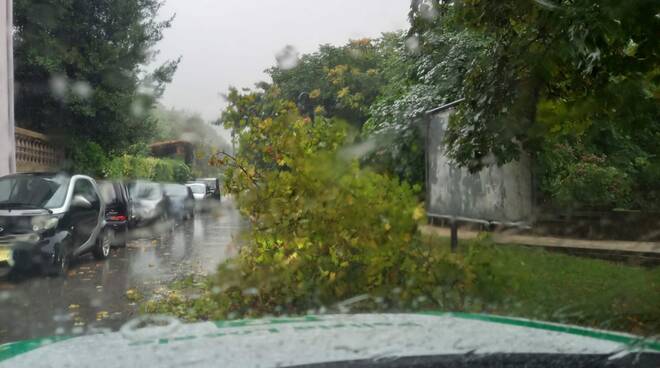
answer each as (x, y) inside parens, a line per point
(108, 192)
(330, 181)
(210, 183)
(33, 191)
(198, 188)
(176, 190)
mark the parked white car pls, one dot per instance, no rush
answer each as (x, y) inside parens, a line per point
(200, 191)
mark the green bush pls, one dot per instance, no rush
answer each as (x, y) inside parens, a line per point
(87, 158)
(149, 168)
(322, 231)
(594, 185)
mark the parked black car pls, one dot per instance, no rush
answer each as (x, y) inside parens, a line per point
(48, 219)
(150, 204)
(118, 210)
(182, 201)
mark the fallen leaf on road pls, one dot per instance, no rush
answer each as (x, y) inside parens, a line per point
(133, 295)
(74, 306)
(101, 315)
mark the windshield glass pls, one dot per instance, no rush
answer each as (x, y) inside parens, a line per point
(176, 190)
(198, 188)
(108, 192)
(348, 177)
(31, 191)
(210, 183)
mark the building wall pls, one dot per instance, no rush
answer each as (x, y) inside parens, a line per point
(7, 159)
(494, 194)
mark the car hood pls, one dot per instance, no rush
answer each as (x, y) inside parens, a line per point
(319, 339)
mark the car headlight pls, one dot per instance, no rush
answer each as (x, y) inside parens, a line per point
(42, 223)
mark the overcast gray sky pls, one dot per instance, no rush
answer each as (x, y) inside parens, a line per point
(231, 42)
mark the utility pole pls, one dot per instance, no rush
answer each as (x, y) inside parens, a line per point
(7, 140)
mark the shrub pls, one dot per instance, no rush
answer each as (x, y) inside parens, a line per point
(594, 185)
(149, 168)
(87, 158)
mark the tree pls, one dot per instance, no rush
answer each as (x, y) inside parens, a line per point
(80, 68)
(574, 84)
(552, 66)
(424, 69)
(175, 124)
(337, 81)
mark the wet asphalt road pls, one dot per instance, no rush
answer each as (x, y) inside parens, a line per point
(92, 297)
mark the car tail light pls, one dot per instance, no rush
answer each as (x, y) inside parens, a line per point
(118, 218)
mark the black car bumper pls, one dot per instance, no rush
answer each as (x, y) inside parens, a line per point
(24, 254)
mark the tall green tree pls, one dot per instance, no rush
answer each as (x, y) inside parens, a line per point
(554, 66)
(81, 68)
(424, 68)
(573, 83)
(338, 81)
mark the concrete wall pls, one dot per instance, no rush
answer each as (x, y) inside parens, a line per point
(495, 194)
(7, 156)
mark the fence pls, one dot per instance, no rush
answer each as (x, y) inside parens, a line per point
(36, 152)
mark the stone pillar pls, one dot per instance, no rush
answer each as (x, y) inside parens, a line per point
(7, 142)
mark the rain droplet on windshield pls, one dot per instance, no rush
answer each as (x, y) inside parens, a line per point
(412, 44)
(138, 109)
(427, 10)
(287, 58)
(58, 85)
(82, 89)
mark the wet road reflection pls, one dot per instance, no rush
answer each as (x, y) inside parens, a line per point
(93, 296)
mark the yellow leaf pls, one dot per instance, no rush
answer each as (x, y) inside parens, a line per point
(418, 213)
(387, 226)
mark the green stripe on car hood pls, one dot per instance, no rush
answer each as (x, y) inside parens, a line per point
(13, 349)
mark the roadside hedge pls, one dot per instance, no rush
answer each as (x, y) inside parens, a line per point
(149, 168)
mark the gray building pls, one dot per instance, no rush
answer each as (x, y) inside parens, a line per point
(7, 144)
(500, 194)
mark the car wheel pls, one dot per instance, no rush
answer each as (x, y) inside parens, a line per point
(60, 264)
(123, 238)
(102, 247)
